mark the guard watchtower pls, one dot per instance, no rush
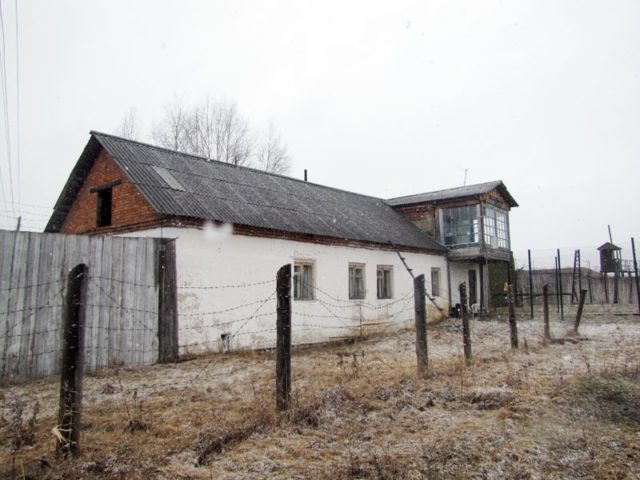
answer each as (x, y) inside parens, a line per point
(609, 260)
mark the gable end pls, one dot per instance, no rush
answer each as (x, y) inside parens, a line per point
(128, 209)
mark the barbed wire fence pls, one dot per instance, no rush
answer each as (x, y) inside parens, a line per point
(251, 322)
(569, 271)
(122, 322)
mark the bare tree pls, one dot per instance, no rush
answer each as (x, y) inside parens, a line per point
(215, 130)
(130, 125)
(172, 131)
(271, 154)
(234, 140)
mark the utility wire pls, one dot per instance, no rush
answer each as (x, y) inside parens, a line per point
(17, 103)
(30, 205)
(5, 107)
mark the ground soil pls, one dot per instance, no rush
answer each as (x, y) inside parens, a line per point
(567, 409)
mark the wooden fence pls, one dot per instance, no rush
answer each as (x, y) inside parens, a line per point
(130, 300)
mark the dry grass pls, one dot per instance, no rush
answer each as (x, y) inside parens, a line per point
(553, 410)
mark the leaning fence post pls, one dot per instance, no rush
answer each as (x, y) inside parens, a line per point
(283, 342)
(466, 333)
(545, 311)
(421, 324)
(74, 315)
(583, 295)
(513, 326)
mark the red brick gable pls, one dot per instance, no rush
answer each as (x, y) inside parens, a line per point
(130, 210)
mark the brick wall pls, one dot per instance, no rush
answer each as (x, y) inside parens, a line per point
(130, 211)
(494, 198)
(422, 216)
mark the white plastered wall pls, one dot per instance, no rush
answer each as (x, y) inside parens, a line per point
(459, 272)
(226, 285)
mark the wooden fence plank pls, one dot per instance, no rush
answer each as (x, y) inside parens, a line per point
(30, 298)
(168, 302)
(114, 298)
(122, 298)
(19, 312)
(127, 314)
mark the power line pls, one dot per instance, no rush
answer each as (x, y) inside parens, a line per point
(30, 205)
(17, 102)
(5, 105)
(4, 198)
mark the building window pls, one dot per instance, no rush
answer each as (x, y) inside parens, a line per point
(496, 229)
(103, 212)
(460, 225)
(303, 281)
(435, 282)
(356, 281)
(384, 282)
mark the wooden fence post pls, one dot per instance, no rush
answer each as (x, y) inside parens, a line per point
(545, 311)
(283, 342)
(466, 333)
(167, 302)
(530, 283)
(68, 428)
(557, 292)
(583, 295)
(635, 270)
(513, 326)
(561, 287)
(419, 303)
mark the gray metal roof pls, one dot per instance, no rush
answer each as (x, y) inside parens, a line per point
(183, 185)
(457, 192)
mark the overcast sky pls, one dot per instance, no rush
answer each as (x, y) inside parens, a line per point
(381, 98)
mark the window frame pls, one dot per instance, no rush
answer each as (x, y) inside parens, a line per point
(389, 287)
(457, 226)
(435, 292)
(354, 292)
(104, 207)
(300, 293)
(496, 227)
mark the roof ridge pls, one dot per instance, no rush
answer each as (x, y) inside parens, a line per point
(231, 165)
(446, 189)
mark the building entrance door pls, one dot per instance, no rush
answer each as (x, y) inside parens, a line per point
(473, 287)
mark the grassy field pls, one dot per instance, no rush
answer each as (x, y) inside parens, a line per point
(566, 410)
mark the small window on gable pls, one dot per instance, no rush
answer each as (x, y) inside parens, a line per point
(384, 282)
(356, 281)
(104, 204)
(303, 281)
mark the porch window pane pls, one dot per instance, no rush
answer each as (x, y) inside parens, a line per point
(460, 225)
